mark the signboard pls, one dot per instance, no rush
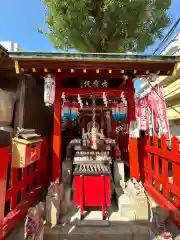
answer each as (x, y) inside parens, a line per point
(97, 83)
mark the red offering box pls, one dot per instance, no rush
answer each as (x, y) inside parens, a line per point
(92, 190)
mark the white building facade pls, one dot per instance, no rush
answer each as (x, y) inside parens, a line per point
(171, 87)
(10, 46)
(172, 49)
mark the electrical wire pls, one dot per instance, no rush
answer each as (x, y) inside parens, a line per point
(168, 35)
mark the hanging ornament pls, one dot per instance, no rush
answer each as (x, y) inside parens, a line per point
(80, 101)
(94, 129)
(49, 90)
(122, 111)
(123, 99)
(63, 97)
(119, 111)
(105, 99)
(114, 110)
(74, 110)
(65, 113)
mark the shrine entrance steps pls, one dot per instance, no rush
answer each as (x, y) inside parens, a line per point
(92, 227)
(129, 218)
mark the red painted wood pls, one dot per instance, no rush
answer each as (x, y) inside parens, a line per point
(13, 218)
(131, 101)
(81, 195)
(164, 198)
(114, 92)
(164, 178)
(103, 196)
(156, 164)
(4, 155)
(91, 66)
(93, 190)
(165, 154)
(133, 159)
(57, 134)
(176, 172)
(34, 178)
(160, 199)
(142, 158)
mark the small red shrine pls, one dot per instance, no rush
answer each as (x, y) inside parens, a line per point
(94, 100)
(90, 99)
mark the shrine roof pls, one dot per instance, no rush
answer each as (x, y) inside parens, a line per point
(2, 49)
(5, 60)
(102, 61)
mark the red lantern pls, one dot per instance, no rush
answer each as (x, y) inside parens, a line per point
(66, 110)
(74, 110)
(114, 110)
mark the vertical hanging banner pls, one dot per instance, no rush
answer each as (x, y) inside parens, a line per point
(142, 114)
(151, 104)
(152, 113)
(157, 106)
(160, 110)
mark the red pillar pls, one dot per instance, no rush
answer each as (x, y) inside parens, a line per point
(133, 158)
(131, 101)
(56, 164)
(4, 156)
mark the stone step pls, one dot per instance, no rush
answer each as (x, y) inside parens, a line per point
(114, 231)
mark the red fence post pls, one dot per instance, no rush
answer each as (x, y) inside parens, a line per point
(176, 171)
(176, 180)
(165, 170)
(4, 156)
(164, 189)
(142, 157)
(133, 158)
(156, 162)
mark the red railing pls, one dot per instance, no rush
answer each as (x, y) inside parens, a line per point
(20, 188)
(159, 168)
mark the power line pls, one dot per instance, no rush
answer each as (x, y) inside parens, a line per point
(167, 35)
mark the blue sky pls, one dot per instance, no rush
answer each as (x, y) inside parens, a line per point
(19, 20)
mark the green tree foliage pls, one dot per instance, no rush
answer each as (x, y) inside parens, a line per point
(106, 25)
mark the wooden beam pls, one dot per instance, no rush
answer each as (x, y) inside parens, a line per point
(111, 92)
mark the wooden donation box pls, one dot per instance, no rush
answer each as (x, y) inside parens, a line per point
(92, 187)
(25, 152)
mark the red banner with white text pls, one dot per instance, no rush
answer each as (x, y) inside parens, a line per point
(160, 110)
(142, 114)
(155, 102)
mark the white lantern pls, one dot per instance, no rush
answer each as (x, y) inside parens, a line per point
(49, 89)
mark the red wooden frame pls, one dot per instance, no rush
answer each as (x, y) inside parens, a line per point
(29, 182)
(133, 159)
(111, 92)
(158, 184)
(129, 90)
(56, 164)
